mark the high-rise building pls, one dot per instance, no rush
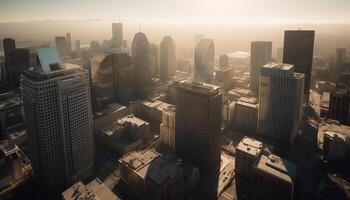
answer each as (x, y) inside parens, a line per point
(246, 117)
(298, 51)
(196, 39)
(9, 44)
(247, 151)
(58, 113)
(61, 45)
(167, 58)
(117, 35)
(198, 124)
(341, 57)
(77, 48)
(19, 61)
(204, 56)
(154, 60)
(140, 62)
(280, 103)
(339, 105)
(111, 79)
(167, 127)
(260, 54)
(223, 61)
(69, 44)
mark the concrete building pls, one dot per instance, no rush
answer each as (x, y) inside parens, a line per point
(325, 86)
(153, 176)
(334, 139)
(124, 135)
(154, 60)
(78, 48)
(141, 65)
(167, 127)
(273, 178)
(223, 61)
(298, 51)
(339, 105)
(69, 44)
(94, 190)
(340, 54)
(247, 151)
(11, 114)
(246, 117)
(117, 35)
(228, 110)
(260, 54)
(324, 107)
(280, 103)
(20, 60)
(58, 113)
(167, 58)
(204, 60)
(111, 113)
(198, 124)
(111, 79)
(61, 45)
(153, 110)
(9, 44)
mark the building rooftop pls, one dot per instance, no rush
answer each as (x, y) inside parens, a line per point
(198, 87)
(205, 43)
(280, 66)
(111, 108)
(153, 166)
(9, 100)
(276, 166)
(333, 128)
(250, 146)
(132, 119)
(95, 190)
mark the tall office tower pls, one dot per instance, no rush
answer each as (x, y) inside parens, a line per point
(61, 45)
(196, 39)
(280, 103)
(223, 61)
(279, 57)
(260, 54)
(69, 44)
(167, 58)
(198, 124)
(111, 79)
(77, 47)
(58, 113)
(154, 60)
(298, 51)
(339, 105)
(19, 61)
(167, 127)
(9, 44)
(117, 35)
(140, 62)
(341, 57)
(204, 56)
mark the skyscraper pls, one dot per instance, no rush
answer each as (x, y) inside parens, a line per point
(280, 103)
(154, 60)
(111, 79)
(140, 62)
(204, 56)
(117, 35)
(19, 61)
(69, 44)
(341, 57)
(77, 47)
(298, 51)
(198, 124)
(167, 58)
(61, 45)
(260, 54)
(57, 107)
(223, 61)
(9, 44)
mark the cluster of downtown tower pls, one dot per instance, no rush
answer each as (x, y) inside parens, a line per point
(59, 100)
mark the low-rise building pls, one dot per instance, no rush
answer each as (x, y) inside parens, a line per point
(95, 190)
(125, 134)
(154, 176)
(109, 114)
(272, 178)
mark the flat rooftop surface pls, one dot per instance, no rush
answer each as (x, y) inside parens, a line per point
(250, 146)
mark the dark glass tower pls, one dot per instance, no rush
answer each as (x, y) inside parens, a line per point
(298, 51)
(198, 124)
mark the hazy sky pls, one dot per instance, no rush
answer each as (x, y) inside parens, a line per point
(181, 11)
